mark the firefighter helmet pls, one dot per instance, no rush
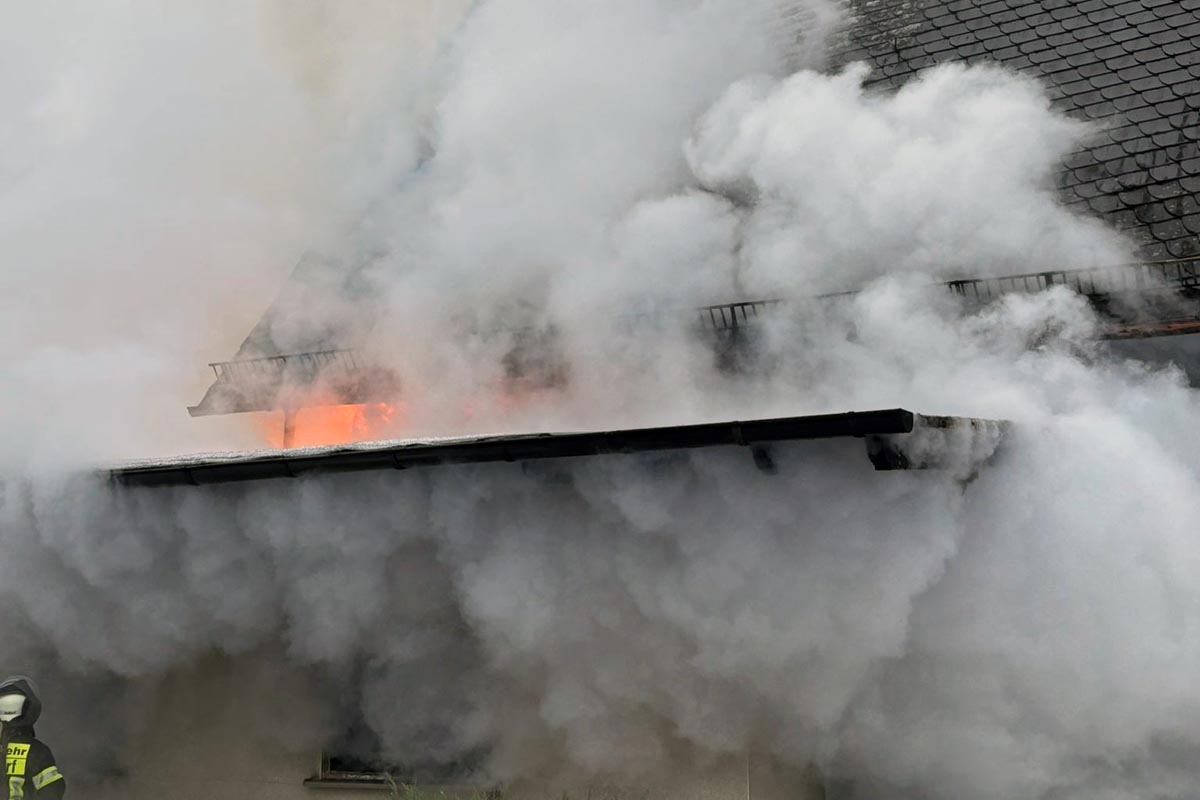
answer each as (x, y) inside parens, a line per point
(11, 706)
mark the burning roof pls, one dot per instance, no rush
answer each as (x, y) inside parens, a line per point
(1132, 68)
(1139, 300)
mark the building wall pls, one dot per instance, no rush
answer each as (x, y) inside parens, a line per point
(240, 729)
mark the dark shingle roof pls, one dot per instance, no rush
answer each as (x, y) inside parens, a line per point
(1133, 65)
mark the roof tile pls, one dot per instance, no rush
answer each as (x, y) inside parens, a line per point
(1157, 95)
(1185, 121)
(1130, 7)
(1110, 25)
(939, 46)
(1171, 138)
(1076, 87)
(1138, 17)
(1136, 44)
(1133, 178)
(1153, 213)
(1152, 250)
(1157, 61)
(1044, 29)
(1105, 204)
(1076, 23)
(1166, 191)
(1132, 73)
(1115, 91)
(1185, 205)
(1149, 159)
(1139, 144)
(1152, 27)
(1125, 34)
(1123, 61)
(1107, 79)
(1084, 57)
(1093, 69)
(1188, 92)
(1183, 248)
(1179, 48)
(1171, 229)
(1143, 85)
(1044, 56)
(1156, 125)
(1190, 30)
(1108, 152)
(1189, 58)
(1034, 46)
(1167, 172)
(1100, 110)
(1124, 133)
(1080, 159)
(1179, 20)
(1106, 15)
(1143, 114)
(1051, 64)
(1134, 197)
(1133, 101)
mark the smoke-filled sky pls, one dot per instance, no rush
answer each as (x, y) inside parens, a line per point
(1029, 633)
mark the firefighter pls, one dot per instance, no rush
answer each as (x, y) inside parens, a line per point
(30, 771)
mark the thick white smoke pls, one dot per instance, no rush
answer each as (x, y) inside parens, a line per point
(1028, 633)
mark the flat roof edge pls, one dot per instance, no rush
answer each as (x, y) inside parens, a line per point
(527, 447)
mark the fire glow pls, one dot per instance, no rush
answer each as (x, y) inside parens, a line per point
(316, 426)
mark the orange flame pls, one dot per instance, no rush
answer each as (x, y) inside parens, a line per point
(324, 425)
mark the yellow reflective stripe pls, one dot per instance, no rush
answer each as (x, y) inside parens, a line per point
(46, 777)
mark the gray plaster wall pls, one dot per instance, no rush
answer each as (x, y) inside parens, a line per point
(249, 729)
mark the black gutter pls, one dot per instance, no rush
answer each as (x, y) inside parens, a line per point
(524, 447)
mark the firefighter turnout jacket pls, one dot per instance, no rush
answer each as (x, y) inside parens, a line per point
(30, 771)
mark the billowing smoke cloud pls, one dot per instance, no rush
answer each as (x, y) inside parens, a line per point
(567, 166)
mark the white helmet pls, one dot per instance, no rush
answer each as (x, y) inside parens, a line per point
(11, 706)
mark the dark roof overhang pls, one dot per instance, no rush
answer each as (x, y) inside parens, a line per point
(887, 434)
